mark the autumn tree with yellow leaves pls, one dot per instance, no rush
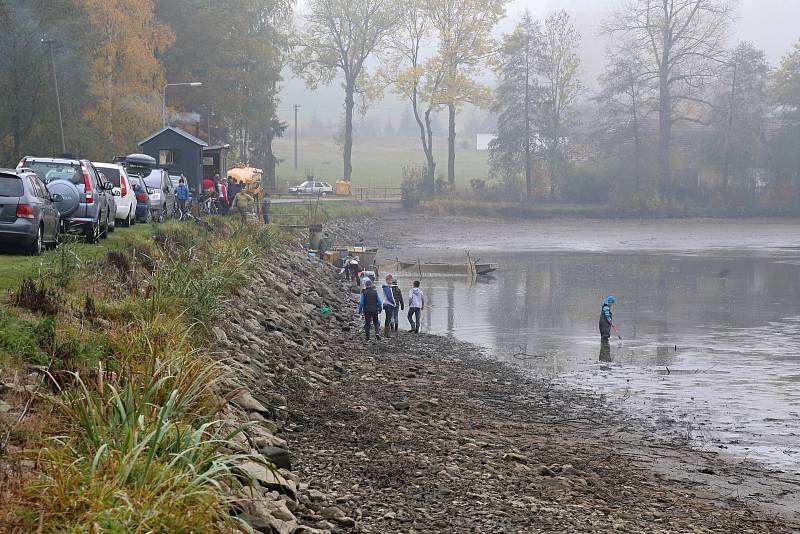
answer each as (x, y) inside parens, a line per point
(126, 75)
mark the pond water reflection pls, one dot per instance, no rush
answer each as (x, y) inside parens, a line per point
(711, 341)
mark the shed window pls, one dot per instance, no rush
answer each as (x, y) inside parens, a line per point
(169, 157)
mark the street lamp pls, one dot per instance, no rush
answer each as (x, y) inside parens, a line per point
(50, 43)
(164, 98)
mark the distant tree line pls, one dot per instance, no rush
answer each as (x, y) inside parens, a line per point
(679, 120)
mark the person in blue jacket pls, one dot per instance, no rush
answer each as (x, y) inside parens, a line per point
(607, 318)
(389, 305)
(370, 305)
(182, 195)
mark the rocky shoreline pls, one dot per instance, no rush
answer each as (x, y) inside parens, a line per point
(425, 434)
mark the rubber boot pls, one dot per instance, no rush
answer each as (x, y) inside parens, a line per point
(387, 329)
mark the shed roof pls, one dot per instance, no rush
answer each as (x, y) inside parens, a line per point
(178, 131)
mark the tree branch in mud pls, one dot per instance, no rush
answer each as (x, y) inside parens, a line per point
(524, 356)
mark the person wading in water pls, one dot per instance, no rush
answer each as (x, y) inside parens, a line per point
(606, 325)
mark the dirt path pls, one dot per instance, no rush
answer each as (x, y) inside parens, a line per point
(422, 434)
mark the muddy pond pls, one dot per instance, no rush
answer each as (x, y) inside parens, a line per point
(709, 315)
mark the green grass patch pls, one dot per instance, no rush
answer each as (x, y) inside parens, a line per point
(66, 258)
(311, 211)
(373, 164)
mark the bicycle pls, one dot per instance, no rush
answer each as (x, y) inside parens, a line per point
(210, 206)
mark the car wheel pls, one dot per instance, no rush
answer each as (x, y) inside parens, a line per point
(35, 248)
(92, 232)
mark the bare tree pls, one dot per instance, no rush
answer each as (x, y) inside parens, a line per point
(684, 44)
(338, 38)
(627, 97)
(557, 67)
(417, 78)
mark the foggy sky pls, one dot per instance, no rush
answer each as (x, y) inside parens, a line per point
(772, 25)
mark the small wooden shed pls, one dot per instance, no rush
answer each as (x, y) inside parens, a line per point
(178, 152)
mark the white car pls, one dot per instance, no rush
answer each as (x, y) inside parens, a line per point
(312, 187)
(124, 195)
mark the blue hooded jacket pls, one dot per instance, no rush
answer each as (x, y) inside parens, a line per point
(607, 307)
(388, 295)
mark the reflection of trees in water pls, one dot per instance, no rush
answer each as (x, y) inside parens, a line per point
(658, 295)
(662, 299)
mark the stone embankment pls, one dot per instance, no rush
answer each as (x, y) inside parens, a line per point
(420, 433)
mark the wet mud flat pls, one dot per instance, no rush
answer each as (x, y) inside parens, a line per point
(426, 434)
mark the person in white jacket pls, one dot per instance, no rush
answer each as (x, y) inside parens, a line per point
(416, 303)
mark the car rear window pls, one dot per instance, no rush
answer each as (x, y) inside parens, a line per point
(153, 180)
(49, 172)
(111, 174)
(11, 186)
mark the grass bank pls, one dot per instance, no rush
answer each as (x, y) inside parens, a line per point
(113, 401)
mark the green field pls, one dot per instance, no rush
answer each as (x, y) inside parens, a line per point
(373, 164)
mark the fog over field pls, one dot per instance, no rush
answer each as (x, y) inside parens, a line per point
(769, 24)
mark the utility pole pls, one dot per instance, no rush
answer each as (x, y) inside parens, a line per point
(50, 43)
(296, 107)
(208, 122)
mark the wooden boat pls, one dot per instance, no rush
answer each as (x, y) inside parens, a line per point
(486, 268)
(469, 267)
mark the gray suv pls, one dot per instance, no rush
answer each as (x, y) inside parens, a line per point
(28, 213)
(86, 205)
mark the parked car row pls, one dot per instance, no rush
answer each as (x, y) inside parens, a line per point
(44, 197)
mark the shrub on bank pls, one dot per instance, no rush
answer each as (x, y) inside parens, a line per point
(138, 442)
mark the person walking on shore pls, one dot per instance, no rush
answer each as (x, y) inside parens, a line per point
(370, 305)
(400, 305)
(416, 303)
(607, 318)
(389, 305)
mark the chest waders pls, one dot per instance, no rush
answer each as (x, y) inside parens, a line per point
(605, 323)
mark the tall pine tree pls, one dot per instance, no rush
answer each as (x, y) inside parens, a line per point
(512, 152)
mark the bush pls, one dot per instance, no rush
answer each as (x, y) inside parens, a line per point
(411, 187)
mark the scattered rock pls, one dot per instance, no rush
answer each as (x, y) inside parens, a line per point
(247, 403)
(277, 455)
(514, 457)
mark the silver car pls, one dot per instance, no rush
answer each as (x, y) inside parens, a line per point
(28, 214)
(162, 196)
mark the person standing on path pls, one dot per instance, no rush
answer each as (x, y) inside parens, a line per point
(400, 305)
(182, 195)
(370, 305)
(241, 203)
(607, 318)
(416, 303)
(389, 305)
